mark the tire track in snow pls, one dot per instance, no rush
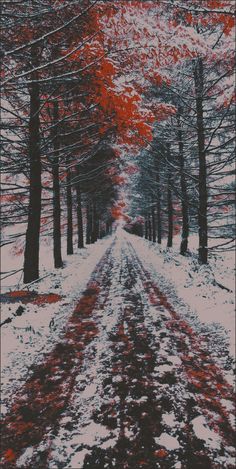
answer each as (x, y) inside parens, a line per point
(208, 396)
(164, 419)
(147, 393)
(38, 406)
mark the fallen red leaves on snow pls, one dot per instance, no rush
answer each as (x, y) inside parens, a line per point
(30, 297)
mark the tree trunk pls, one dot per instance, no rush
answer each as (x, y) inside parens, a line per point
(170, 212)
(159, 221)
(56, 194)
(69, 212)
(79, 215)
(184, 193)
(100, 230)
(92, 224)
(89, 223)
(202, 209)
(97, 228)
(146, 228)
(107, 228)
(149, 228)
(94, 235)
(31, 255)
(154, 233)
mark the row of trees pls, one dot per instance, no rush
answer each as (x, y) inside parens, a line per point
(85, 82)
(57, 83)
(186, 173)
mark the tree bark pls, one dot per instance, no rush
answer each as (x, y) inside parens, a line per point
(146, 228)
(89, 223)
(100, 230)
(69, 212)
(31, 255)
(96, 222)
(107, 227)
(79, 214)
(149, 227)
(94, 234)
(184, 193)
(203, 196)
(56, 194)
(154, 233)
(170, 212)
(159, 221)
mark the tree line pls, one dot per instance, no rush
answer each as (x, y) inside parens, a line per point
(84, 82)
(186, 173)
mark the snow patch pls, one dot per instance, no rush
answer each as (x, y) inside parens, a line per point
(89, 391)
(162, 369)
(25, 457)
(203, 432)
(77, 460)
(169, 419)
(169, 442)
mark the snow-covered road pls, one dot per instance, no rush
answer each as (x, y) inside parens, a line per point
(130, 385)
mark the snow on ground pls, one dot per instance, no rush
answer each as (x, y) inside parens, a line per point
(202, 432)
(133, 374)
(28, 337)
(74, 443)
(181, 277)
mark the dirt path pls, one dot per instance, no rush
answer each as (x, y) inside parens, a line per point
(130, 385)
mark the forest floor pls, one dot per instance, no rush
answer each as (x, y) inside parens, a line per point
(131, 380)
